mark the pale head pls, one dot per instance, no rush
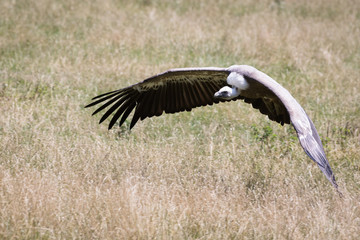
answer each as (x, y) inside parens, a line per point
(238, 83)
(227, 93)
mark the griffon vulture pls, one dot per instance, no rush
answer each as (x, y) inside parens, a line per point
(181, 89)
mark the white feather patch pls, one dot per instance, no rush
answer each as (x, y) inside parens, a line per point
(237, 80)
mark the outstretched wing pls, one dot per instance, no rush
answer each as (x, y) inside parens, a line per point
(181, 89)
(305, 129)
(173, 91)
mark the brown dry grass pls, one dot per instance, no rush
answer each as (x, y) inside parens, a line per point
(215, 173)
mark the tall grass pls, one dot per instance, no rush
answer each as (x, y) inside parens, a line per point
(222, 172)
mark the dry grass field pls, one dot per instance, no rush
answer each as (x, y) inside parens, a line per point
(221, 172)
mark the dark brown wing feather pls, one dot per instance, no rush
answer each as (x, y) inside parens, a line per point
(262, 98)
(170, 92)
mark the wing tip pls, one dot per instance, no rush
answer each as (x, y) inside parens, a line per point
(89, 105)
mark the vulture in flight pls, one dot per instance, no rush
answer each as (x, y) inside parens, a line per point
(181, 89)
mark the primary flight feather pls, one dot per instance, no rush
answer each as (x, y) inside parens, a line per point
(182, 89)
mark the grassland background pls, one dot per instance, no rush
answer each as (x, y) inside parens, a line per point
(222, 172)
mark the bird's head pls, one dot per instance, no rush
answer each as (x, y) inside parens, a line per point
(226, 93)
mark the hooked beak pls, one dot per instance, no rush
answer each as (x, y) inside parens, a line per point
(217, 95)
(223, 93)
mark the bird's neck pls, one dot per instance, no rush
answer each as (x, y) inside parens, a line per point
(235, 92)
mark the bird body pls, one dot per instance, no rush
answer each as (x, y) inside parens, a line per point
(182, 89)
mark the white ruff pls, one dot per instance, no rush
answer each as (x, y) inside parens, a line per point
(237, 80)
